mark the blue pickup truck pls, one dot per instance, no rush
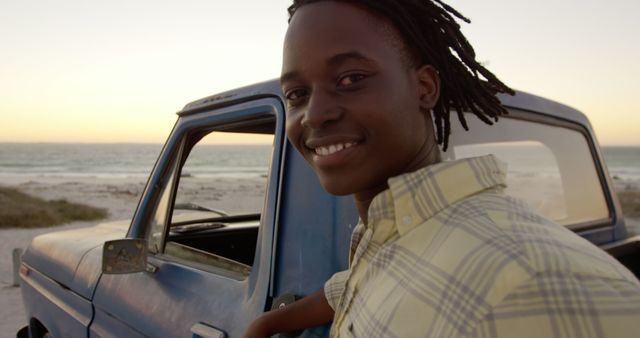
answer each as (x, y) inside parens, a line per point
(186, 267)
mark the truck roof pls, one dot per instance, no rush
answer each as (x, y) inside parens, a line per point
(271, 88)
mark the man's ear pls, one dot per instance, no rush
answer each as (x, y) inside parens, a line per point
(429, 86)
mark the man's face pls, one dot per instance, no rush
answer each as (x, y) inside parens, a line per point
(353, 98)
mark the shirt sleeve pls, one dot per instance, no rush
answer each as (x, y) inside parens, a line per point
(334, 288)
(558, 305)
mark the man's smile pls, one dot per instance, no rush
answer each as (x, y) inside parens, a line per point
(332, 149)
(333, 154)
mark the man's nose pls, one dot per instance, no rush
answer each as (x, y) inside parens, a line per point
(322, 109)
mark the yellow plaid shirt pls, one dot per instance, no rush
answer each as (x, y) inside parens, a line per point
(447, 254)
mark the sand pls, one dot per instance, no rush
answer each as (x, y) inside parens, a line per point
(633, 224)
(120, 196)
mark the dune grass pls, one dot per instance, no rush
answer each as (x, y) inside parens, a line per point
(630, 201)
(19, 210)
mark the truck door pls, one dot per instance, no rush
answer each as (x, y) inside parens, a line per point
(208, 216)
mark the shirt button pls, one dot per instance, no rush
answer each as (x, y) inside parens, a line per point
(406, 220)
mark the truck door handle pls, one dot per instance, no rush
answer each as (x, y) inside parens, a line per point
(283, 300)
(200, 330)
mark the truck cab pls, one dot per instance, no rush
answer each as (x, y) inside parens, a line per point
(196, 263)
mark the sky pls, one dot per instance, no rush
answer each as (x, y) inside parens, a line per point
(117, 71)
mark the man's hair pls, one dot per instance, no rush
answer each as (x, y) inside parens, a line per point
(432, 36)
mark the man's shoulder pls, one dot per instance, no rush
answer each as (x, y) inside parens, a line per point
(509, 228)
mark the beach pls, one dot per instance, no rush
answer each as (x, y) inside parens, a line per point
(629, 185)
(120, 195)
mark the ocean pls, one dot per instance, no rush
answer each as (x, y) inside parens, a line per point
(126, 160)
(137, 160)
(623, 162)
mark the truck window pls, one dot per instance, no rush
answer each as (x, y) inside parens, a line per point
(216, 202)
(549, 166)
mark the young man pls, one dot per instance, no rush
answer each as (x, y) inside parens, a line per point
(440, 250)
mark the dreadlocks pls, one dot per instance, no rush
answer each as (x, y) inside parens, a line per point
(432, 34)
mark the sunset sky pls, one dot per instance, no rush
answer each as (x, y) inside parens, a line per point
(117, 71)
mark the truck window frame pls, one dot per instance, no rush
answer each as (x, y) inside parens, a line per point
(232, 117)
(519, 114)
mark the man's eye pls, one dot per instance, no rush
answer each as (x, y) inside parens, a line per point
(295, 95)
(350, 79)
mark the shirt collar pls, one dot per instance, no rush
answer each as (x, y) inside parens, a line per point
(415, 197)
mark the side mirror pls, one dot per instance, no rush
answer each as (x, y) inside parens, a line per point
(122, 256)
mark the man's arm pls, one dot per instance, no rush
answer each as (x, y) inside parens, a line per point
(313, 310)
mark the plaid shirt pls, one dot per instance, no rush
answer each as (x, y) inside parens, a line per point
(447, 254)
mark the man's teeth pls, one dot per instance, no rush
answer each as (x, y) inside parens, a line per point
(332, 149)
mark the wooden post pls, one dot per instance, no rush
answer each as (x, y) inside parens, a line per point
(17, 259)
